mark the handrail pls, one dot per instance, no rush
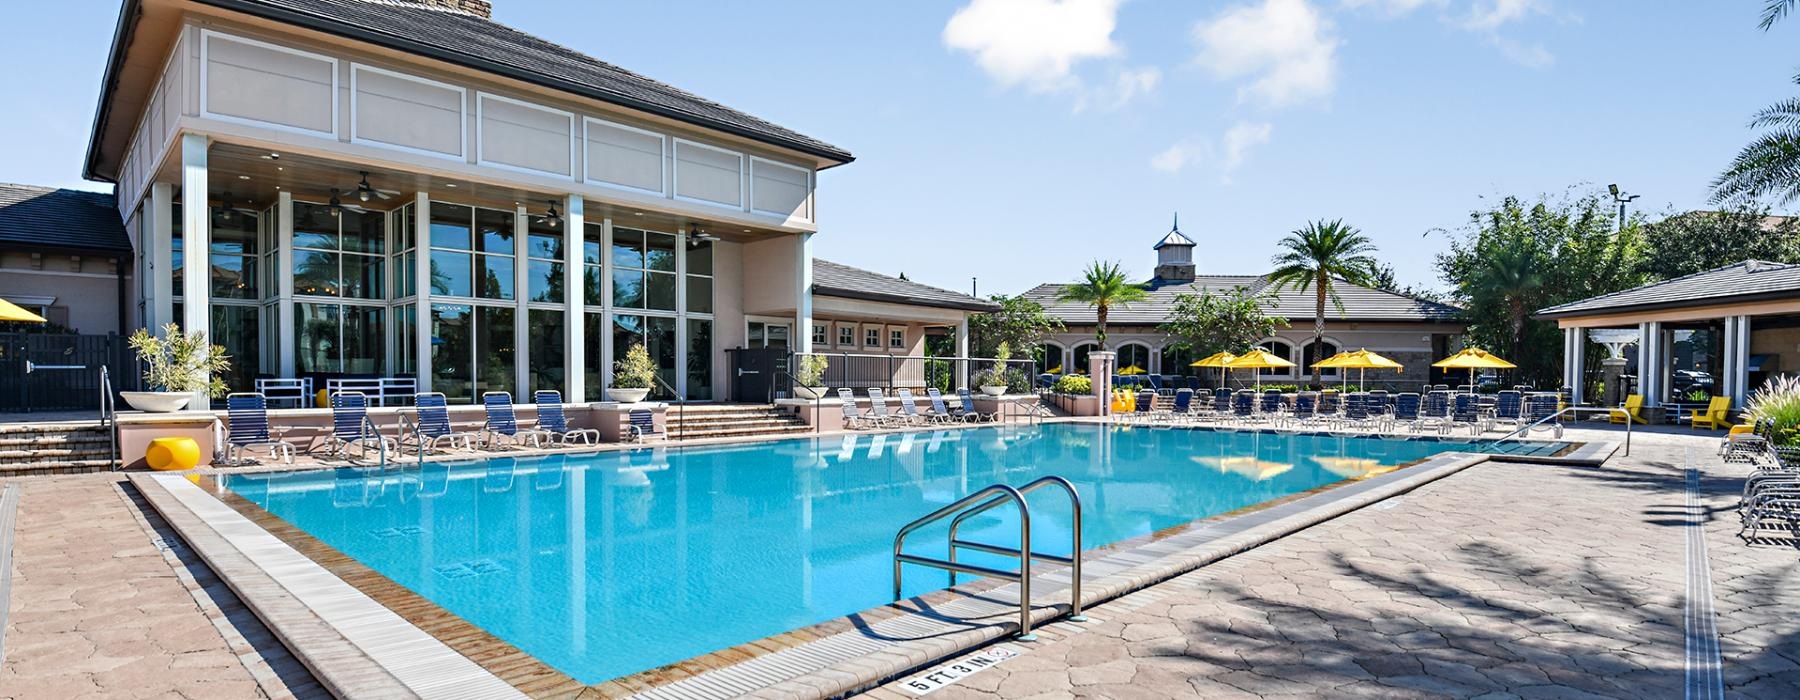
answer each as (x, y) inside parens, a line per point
(817, 421)
(985, 500)
(1073, 560)
(109, 416)
(680, 402)
(1569, 409)
(1023, 574)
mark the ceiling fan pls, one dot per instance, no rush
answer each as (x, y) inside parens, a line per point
(228, 208)
(366, 193)
(338, 206)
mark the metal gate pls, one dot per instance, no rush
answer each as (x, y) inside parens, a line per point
(58, 372)
(754, 372)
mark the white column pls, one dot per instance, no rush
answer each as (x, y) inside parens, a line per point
(521, 314)
(681, 330)
(1577, 366)
(1728, 360)
(574, 296)
(1568, 357)
(803, 282)
(161, 306)
(606, 296)
(1741, 386)
(196, 236)
(962, 351)
(1650, 372)
(284, 284)
(422, 288)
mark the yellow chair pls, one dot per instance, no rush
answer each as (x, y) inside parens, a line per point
(1631, 412)
(1714, 418)
(172, 454)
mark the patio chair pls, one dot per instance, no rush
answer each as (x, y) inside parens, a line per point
(1271, 403)
(432, 426)
(878, 409)
(968, 407)
(909, 408)
(640, 426)
(1183, 409)
(1629, 412)
(1243, 407)
(1306, 408)
(940, 411)
(1465, 412)
(1406, 410)
(503, 423)
(553, 420)
(1194, 384)
(1356, 412)
(855, 418)
(351, 427)
(247, 414)
(1541, 406)
(1156, 382)
(1509, 410)
(1145, 406)
(1716, 415)
(1434, 412)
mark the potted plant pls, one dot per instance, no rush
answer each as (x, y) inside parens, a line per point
(632, 376)
(809, 377)
(178, 365)
(993, 383)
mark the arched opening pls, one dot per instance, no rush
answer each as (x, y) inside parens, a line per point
(1326, 349)
(1079, 363)
(1279, 348)
(1049, 358)
(1134, 358)
(1176, 358)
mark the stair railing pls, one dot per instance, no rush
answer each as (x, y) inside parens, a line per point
(109, 417)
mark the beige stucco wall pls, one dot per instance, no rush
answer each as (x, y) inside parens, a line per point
(1409, 344)
(84, 291)
(1784, 343)
(769, 282)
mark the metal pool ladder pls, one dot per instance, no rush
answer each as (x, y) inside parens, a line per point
(983, 501)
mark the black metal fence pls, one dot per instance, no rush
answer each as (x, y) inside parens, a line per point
(61, 372)
(857, 372)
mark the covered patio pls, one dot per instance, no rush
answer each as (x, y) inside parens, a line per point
(1719, 333)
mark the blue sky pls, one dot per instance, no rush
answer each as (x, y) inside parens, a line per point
(1015, 140)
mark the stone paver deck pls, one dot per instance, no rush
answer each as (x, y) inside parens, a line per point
(1506, 580)
(104, 606)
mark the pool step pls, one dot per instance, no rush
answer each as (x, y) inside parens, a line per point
(732, 420)
(54, 448)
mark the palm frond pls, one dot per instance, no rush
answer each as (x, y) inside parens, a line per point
(1767, 168)
(1773, 11)
(1783, 113)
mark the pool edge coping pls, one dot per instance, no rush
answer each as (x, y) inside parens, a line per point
(842, 662)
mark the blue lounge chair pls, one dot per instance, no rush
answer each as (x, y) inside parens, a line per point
(968, 407)
(909, 408)
(351, 427)
(1541, 406)
(1406, 410)
(1306, 407)
(1145, 406)
(1356, 412)
(1509, 409)
(878, 409)
(640, 426)
(1271, 403)
(1184, 405)
(247, 414)
(1466, 412)
(1434, 412)
(553, 420)
(502, 423)
(432, 427)
(1243, 406)
(940, 411)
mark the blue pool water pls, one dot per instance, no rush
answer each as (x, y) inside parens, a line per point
(607, 564)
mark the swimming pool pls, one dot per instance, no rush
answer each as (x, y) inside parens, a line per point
(602, 565)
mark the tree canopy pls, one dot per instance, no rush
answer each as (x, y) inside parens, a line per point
(1315, 257)
(1020, 323)
(1683, 244)
(1103, 285)
(1229, 321)
(1517, 257)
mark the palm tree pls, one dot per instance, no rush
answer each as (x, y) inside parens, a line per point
(1509, 274)
(1103, 285)
(1770, 165)
(1312, 257)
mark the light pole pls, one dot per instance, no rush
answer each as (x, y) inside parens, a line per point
(1621, 199)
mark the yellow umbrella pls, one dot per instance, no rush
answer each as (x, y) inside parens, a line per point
(1219, 360)
(1361, 360)
(1353, 467)
(1131, 370)
(1248, 467)
(1258, 358)
(1473, 359)
(12, 312)
(1054, 370)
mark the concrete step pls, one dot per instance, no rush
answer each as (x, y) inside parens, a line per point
(692, 420)
(693, 434)
(80, 466)
(49, 454)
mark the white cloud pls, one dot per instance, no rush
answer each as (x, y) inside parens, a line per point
(1034, 43)
(1127, 84)
(1240, 138)
(1392, 7)
(1485, 19)
(1489, 15)
(1226, 155)
(1286, 46)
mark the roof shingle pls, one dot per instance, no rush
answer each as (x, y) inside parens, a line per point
(1750, 279)
(46, 217)
(843, 281)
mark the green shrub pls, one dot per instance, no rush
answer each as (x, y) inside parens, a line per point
(1015, 379)
(1074, 384)
(1779, 401)
(809, 370)
(636, 371)
(183, 362)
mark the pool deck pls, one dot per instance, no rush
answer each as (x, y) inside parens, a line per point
(1573, 584)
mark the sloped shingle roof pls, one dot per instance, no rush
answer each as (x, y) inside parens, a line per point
(480, 43)
(46, 217)
(1360, 303)
(843, 281)
(1745, 281)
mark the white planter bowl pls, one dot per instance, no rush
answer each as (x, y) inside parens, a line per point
(994, 390)
(157, 401)
(810, 393)
(627, 395)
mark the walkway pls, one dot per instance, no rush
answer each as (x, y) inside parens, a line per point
(1506, 580)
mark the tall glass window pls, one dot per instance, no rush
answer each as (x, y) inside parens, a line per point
(594, 323)
(643, 270)
(495, 350)
(700, 278)
(544, 267)
(545, 364)
(699, 360)
(338, 252)
(657, 334)
(453, 351)
(338, 338)
(593, 237)
(234, 251)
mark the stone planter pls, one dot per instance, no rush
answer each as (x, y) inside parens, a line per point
(627, 395)
(994, 390)
(157, 401)
(810, 393)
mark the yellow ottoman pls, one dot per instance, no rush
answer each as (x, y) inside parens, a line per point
(172, 454)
